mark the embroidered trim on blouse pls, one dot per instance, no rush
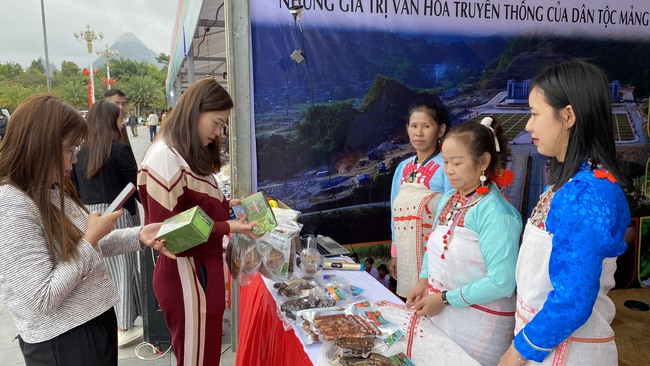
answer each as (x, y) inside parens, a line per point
(536, 348)
(540, 212)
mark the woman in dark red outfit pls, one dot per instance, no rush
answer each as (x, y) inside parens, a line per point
(176, 174)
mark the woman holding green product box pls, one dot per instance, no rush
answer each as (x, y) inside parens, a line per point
(52, 275)
(176, 174)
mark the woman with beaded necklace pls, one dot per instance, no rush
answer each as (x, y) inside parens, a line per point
(417, 186)
(467, 280)
(573, 236)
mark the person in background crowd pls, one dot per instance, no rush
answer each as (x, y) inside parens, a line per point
(53, 279)
(367, 265)
(4, 121)
(177, 174)
(568, 255)
(117, 97)
(163, 117)
(382, 274)
(392, 285)
(152, 122)
(133, 124)
(417, 186)
(355, 257)
(105, 165)
(467, 281)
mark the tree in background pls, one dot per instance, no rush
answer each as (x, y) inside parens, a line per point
(144, 83)
(145, 92)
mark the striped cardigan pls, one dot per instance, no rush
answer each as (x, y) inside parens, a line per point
(47, 299)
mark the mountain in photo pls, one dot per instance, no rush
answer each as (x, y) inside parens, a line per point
(130, 47)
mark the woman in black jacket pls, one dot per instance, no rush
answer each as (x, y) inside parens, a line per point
(105, 165)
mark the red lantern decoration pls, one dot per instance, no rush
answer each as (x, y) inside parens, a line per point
(104, 79)
(85, 72)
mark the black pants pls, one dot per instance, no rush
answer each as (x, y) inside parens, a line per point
(92, 343)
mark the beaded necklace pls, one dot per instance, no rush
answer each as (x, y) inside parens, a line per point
(454, 212)
(415, 173)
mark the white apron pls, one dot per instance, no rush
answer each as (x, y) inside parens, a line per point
(425, 344)
(413, 211)
(483, 331)
(592, 343)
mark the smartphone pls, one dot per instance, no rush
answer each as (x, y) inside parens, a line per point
(120, 199)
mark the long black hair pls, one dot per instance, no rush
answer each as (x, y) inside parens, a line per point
(584, 87)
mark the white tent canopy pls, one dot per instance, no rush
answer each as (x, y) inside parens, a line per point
(199, 45)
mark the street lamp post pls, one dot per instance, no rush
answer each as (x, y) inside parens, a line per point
(90, 36)
(107, 53)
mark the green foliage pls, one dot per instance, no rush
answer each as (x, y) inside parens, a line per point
(379, 252)
(37, 66)
(74, 91)
(143, 83)
(69, 69)
(325, 127)
(10, 70)
(378, 85)
(12, 94)
(144, 91)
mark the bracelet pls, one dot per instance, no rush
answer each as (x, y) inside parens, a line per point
(443, 296)
(520, 359)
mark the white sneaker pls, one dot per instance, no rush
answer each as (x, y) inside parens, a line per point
(129, 335)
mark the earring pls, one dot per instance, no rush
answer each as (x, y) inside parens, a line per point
(483, 189)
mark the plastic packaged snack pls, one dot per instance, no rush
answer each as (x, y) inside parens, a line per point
(331, 325)
(374, 359)
(401, 359)
(311, 261)
(243, 257)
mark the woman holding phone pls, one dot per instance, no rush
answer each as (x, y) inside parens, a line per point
(105, 165)
(53, 278)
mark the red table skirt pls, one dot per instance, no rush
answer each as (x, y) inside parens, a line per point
(262, 339)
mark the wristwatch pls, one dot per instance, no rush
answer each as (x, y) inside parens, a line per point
(443, 296)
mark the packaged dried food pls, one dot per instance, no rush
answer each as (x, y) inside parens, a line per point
(335, 290)
(311, 261)
(294, 288)
(331, 325)
(401, 359)
(351, 347)
(374, 359)
(291, 306)
(243, 257)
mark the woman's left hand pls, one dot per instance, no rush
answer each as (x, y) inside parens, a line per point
(511, 358)
(233, 203)
(430, 305)
(148, 237)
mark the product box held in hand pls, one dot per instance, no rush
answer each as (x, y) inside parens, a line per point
(258, 210)
(186, 230)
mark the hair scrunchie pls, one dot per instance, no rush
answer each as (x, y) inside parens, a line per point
(487, 122)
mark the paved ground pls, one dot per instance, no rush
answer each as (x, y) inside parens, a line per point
(10, 354)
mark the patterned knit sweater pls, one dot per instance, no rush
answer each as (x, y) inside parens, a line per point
(46, 299)
(167, 186)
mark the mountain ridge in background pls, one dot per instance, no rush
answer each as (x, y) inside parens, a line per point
(129, 47)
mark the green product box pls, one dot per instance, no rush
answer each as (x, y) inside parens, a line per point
(258, 210)
(186, 230)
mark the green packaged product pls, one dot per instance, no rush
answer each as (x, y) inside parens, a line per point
(186, 230)
(258, 210)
